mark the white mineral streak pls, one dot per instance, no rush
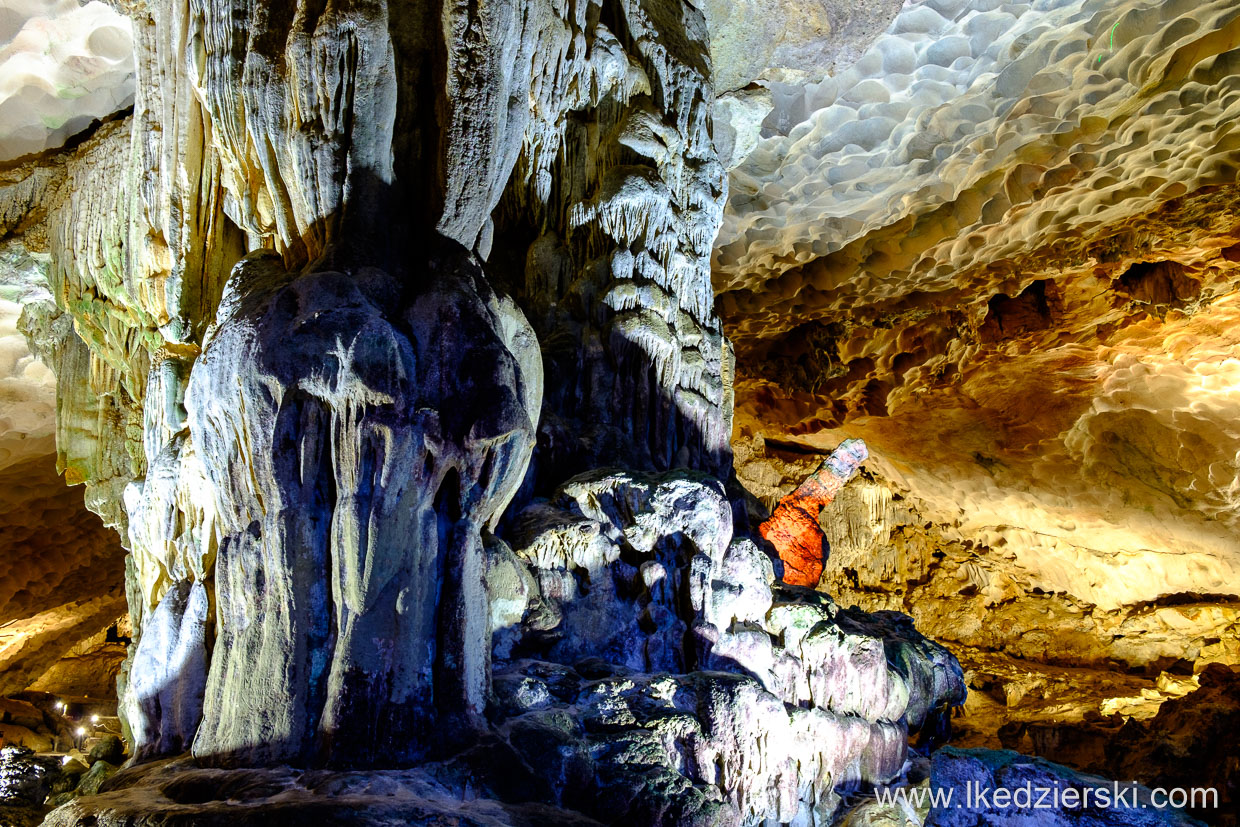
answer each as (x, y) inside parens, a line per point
(351, 491)
(163, 702)
(62, 65)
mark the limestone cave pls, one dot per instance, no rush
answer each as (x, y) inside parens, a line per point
(652, 413)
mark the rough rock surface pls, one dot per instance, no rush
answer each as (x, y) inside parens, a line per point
(637, 576)
(1000, 247)
(23, 781)
(349, 560)
(590, 164)
(978, 590)
(60, 573)
(987, 770)
(354, 278)
(59, 566)
(1189, 743)
(649, 668)
(179, 793)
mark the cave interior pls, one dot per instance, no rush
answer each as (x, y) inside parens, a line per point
(703, 413)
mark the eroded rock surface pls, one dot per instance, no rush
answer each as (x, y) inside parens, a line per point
(1067, 801)
(616, 560)
(793, 526)
(1000, 247)
(350, 551)
(62, 65)
(354, 280)
(648, 668)
(981, 590)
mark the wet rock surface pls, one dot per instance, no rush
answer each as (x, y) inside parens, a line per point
(1065, 802)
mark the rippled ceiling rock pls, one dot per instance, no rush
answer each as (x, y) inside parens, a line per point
(1002, 248)
(62, 65)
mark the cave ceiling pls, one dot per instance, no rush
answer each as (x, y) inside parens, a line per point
(1000, 246)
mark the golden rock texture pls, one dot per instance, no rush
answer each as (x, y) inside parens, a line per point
(1002, 249)
(888, 553)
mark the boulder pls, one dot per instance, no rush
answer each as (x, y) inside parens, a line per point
(109, 748)
(99, 772)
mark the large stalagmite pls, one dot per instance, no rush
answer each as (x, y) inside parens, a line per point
(331, 426)
(358, 445)
(364, 405)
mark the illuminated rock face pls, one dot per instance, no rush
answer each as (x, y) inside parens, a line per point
(321, 437)
(343, 312)
(357, 444)
(1000, 248)
(389, 334)
(62, 65)
(60, 579)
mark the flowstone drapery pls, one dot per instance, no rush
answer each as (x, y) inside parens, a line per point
(359, 438)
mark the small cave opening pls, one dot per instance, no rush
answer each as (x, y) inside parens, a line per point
(1160, 284)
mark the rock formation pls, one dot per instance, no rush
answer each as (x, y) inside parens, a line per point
(999, 248)
(335, 511)
(314, 393)
(389, 339)
(793, 526)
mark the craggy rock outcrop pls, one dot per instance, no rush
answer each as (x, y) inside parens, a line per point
(310, 446)
(1173, 733)
(60, 567)
(346, 500)
(648, 668)
(1188, 744)
(24, 782)
(793, 525)
(357, 286)
(616, 560)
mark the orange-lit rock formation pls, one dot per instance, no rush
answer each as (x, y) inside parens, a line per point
(793, 527)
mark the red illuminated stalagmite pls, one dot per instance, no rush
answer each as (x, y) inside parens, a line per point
(793, 527)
